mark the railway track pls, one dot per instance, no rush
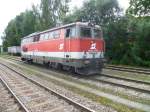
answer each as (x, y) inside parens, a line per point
(35, 96)
(9, 101)
(98, 79)
(13, 58)
(125, 79)
(113, 67)
(128, 69)
(109, 82)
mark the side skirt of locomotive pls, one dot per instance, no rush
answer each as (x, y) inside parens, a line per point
(82, 67)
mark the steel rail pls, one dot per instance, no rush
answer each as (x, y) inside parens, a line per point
(122, 85)
(70, 101)
(14, 95)
(113, 67)
(12, 58)
(126, 79)
(126, 69)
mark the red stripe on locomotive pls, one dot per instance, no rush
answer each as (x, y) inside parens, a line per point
(71, 45)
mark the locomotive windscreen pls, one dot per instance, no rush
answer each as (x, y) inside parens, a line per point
(90, 33)
(97, 33)
(85, 32)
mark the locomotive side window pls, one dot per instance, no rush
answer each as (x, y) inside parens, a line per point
(56, 34)
(42, 37)
(71, 32)
(31, 39)
(35, 38)
(68, 31)
(50, 35)
(46, 36)
(85, 32)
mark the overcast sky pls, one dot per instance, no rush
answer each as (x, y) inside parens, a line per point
(10, 8)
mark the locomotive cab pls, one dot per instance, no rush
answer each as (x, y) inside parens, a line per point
(85, 48)
(93, 48)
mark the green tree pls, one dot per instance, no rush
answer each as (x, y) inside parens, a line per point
(19, 27)
(53, 11)
(98, 11)
(142, 47)
(29, 23)
(37, 19)
(139, 7)
(116, 38)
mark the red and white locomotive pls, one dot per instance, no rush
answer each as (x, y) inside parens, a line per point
(77, 47)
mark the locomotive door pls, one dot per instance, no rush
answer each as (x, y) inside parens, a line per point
(67, 42)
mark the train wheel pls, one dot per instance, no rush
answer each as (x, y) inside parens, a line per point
(30, 61)
(49, 65)
(72, 70)
(46, 64)
(59, 66)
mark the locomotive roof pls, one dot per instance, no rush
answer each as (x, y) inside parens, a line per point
(52, 29)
